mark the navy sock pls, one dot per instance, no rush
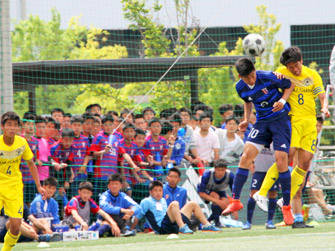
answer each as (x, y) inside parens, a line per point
(272, 208)
(239, 180)
(285, 182)
(103, 229)
(250, 209)
(216, 212)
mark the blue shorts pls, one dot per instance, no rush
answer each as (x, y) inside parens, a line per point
(167, 227)
(257, 180)
(276, 130)
(222, 194)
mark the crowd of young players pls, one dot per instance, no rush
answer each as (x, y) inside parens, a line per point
(102, 155)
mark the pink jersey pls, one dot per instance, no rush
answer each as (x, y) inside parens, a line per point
(44, 153)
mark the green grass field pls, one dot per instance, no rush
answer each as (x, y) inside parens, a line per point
(322, 237)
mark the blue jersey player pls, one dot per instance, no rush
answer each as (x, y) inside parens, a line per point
(261, 88)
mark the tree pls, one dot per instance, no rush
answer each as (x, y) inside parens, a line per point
(217, 85)
(34, 39)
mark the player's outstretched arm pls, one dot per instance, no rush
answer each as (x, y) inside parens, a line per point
(34, 174)
(324, 104)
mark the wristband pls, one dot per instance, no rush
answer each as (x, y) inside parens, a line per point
(171, 146)
(283, 101)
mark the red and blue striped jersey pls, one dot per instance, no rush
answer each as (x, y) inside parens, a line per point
(81, 148)
(76, 202)
(132, 150)
(51, 142)
(61, 155)
(152, 147)
(107, 164)
(118, 135)
(26, 175)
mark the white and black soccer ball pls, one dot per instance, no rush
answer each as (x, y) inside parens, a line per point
(253, 45)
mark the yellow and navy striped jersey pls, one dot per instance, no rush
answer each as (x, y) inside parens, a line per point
(10, 159)
(307, 87)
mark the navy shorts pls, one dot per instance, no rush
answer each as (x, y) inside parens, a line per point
(257, 180)
(167, 227)
(276, 130)
(222, 194)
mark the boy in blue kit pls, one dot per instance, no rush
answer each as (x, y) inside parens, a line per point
(45, 208)
(164, 219)
(213, 188)
(171, 190)
(261, 88)
(118, 205)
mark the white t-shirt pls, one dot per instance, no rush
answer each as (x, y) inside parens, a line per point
(228, 147)
(206, 145)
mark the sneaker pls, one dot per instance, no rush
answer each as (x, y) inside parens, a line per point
(299, 225)
(211, 228)
(262, 202)
(280, 202)
(44, 238)
(56, 237)
(269, 225)
(246, 226)
(287, 215)
(128, 233)
(234, 206)
(330, 216)
(185, 230)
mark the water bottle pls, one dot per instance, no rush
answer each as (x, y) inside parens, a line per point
(181, 132)
(169, 165)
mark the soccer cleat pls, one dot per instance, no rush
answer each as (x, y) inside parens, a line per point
(287, 215)
(246, 226)
(44, 238)
(211, 228)
(262, 202)
(56, 237)
(299, 224)
(269, 225)
(280, 202)
(185, 230)
(128, 233)
(234, 206)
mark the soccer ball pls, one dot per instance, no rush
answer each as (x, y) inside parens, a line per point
(253, 45)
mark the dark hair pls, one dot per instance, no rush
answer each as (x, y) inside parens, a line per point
(51, 181)
(224, 108)
(153, 120)
(238, 110)
(155, 183)
(29, 113)
(106, 119)
(244, 67)
(67, 132)
(76, 119)
(175, 118)
(86, 185)
(68, 115)
(126, 111)
(319, 119)
(201, 107)
(40, 119)
(54, 122)
(232, 118)
(138, 116)
(166, 113)
(57, 110)
(205, 115)
(194, 118)
(166, 127)
(115, 177)
(87, 116)
(10, 116)
(96, 115)
(89, 107)
(220, 163)
(112, 113)
(27, 117)
(139, 132)
(128, 125)
(147, 109)
(291, 54)
(185, 109)
(176, 170)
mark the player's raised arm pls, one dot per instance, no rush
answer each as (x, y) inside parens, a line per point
(34, 174)
(277, 106)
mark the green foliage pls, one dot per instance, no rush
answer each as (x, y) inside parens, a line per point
(217, 85)
(34, 39)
